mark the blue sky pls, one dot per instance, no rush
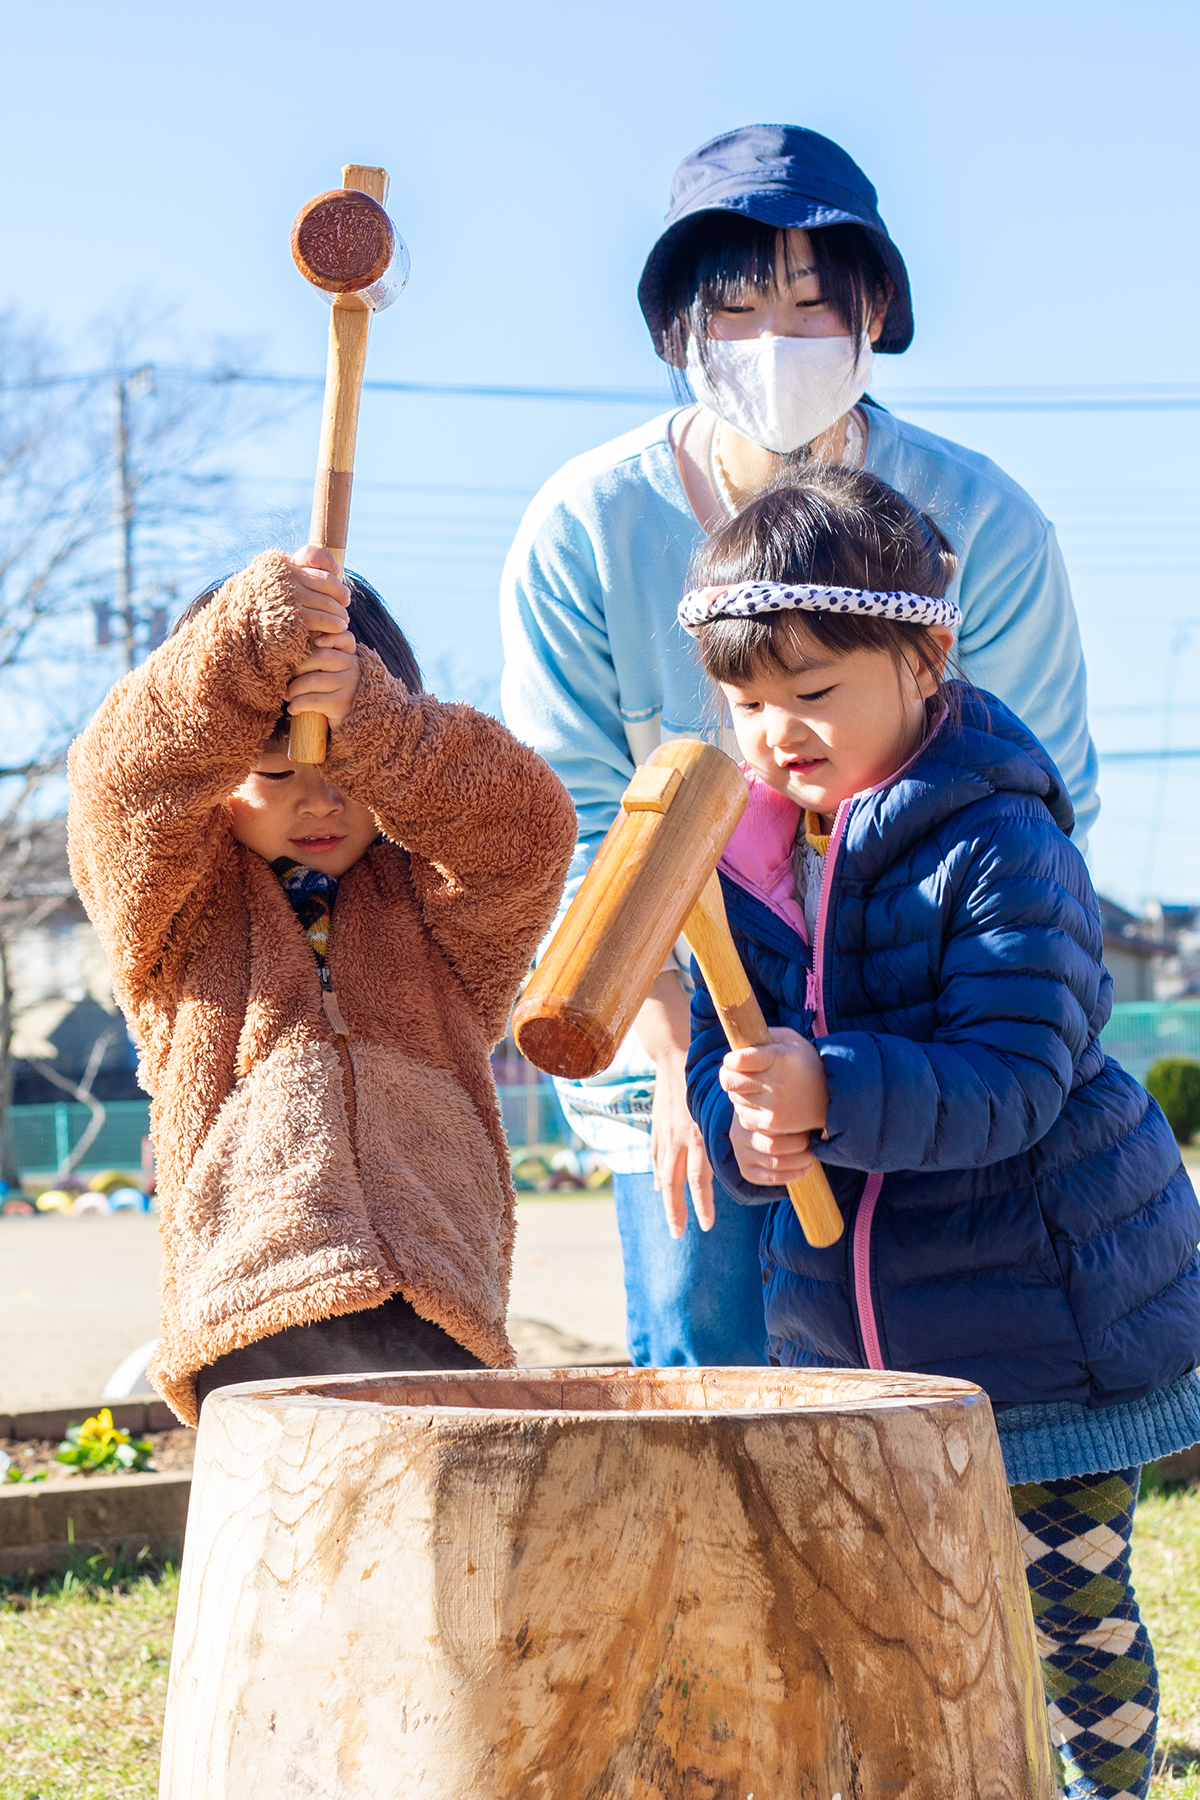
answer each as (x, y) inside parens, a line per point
(1035, 163)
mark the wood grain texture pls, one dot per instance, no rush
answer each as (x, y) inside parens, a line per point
(672, 1584)
(349, 326)
(342, 241)
(706, 929)
(308, 737)
(368, 178)
(644, 880)
(652, 789)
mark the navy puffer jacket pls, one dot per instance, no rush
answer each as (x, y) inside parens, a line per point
(1017, 1212)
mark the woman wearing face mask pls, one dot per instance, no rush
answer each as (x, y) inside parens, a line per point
(773, 287)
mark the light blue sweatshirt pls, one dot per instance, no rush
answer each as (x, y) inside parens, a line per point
(597, 670)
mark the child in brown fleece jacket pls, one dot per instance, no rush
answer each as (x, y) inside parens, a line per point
(316, 962)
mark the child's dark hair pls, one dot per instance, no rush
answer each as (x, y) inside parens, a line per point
(370, 621)
(725, 253)
(836, 528)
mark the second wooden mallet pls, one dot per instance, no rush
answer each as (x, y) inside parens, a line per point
(653, 878)
(345, 244)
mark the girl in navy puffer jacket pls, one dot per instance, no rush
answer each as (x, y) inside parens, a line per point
(926, 943)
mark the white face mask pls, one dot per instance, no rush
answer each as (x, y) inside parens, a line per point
(781, 392)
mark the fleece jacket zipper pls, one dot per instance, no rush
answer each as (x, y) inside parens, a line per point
(333, 1013)
(329, 1001)
(860, 1254)
(341, 1039)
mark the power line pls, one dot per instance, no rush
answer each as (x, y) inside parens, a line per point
(269, 378)
(1113, 399)
(1189, 755)
(1109, 708)
(391, 487)
(1046, 399)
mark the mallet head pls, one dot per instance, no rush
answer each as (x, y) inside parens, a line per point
(344, 243)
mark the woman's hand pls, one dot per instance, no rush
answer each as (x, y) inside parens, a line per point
(677, 1150)
(676, 1146)
(779, 1097)
(327, 680)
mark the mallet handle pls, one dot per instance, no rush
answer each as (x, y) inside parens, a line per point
(349, 326)
(707, 931)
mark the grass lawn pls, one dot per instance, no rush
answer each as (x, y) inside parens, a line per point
(1166, 1573)
(83, 1669)
(83, 1681)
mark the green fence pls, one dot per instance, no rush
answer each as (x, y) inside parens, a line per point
(43, 1136)
(532, 1115)
(1140, 1032)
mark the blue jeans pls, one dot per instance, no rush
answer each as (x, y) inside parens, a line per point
(697, 1299)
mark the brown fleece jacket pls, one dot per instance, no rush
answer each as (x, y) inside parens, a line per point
(301, 1172)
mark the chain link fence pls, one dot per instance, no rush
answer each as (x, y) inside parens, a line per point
(1138, 1034)
(44, 1136)
(1141, 1032)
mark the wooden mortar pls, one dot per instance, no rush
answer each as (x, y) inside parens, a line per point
(574, 1584)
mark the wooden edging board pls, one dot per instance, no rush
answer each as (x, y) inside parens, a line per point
(1185, 1466)
(128, 1513)
(112, 1514)
(136, 1416)
(42, 1527)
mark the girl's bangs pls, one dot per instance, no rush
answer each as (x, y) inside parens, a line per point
(713, 266)
(734, 651)
(726, 254)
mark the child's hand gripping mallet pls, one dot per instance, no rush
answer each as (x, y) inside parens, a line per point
(653, 877)
(345, 244)
(711, 943)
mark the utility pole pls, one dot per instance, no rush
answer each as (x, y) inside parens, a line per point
(123, 518)
(135, 386)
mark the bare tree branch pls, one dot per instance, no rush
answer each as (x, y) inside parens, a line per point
(94, 525)
(82, 1092)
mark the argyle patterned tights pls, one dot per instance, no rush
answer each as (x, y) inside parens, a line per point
(1097, 1663)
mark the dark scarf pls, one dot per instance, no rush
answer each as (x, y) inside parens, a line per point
(312, 896)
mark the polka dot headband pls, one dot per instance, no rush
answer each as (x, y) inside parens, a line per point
(749, 599)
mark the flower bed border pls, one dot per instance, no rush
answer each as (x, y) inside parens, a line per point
(114, 1515)
(134, 1416)
(123, 1514)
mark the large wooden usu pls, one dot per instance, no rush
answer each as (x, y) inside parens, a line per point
(678, 1584)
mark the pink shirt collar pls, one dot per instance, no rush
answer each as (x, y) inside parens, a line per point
(759, 854)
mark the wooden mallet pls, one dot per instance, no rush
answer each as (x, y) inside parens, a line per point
(345, 244)
(653, 878)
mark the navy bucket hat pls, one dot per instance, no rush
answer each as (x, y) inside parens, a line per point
(780, 175)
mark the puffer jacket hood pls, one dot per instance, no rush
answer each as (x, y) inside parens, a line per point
(1017, 1211)
(979, 749)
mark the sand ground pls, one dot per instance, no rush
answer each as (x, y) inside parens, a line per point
(78, 1295)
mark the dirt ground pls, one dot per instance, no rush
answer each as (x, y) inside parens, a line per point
(79, 1295)
(173, 1451)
